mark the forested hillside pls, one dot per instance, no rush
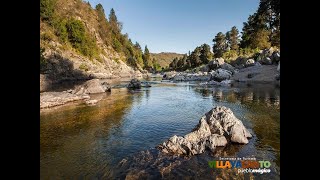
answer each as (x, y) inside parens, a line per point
(80, 41)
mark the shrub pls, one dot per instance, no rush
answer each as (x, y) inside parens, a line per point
(76, 32)
(47, 9)
(47, 36)
(230, 55)
(60, 26)
(84, 67)
(116, 45)
(79, 39)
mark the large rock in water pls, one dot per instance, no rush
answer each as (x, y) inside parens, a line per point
(134, 84)
(228, 67)
(215, 128)
(222, 121)
(221, 75)
(92, 86)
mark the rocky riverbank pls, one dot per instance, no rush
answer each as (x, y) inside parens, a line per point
(265, 68)
(81, 92)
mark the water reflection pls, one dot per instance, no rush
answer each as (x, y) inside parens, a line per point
(87, 142)
(262, 103)
(72, 142)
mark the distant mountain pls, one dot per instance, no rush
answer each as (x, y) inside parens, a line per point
(165, 58)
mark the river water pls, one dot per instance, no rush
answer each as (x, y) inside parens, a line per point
(78, 141)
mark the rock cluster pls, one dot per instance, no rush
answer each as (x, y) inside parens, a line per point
(134, 84)
(216, 128)
(51, 99)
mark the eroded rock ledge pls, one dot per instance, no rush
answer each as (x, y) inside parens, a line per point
(218, 127)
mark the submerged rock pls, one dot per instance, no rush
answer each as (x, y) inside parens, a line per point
(215, 128)
(134, 84)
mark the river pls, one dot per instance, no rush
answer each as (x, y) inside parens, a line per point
(78, 141)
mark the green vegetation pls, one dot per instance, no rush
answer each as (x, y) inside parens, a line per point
(47, 9)
(84, 67)
(146, 57)
(79, 39)
(220, 45)
(201, 55)
(163, 59)
(72, 29)
(261, 31)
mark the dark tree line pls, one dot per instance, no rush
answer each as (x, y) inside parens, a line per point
(262, 30)
(201, 55)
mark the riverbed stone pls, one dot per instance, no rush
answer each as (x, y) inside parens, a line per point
(222, 74)
(216, 128)
(227, 66)
(134, 84)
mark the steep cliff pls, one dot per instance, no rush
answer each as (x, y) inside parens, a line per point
(79, 42)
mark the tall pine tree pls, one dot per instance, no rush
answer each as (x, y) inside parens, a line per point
(220, 45)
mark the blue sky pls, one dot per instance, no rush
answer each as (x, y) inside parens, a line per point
(178, 25)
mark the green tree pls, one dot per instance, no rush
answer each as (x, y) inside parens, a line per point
(205, 54)
(100, 10)
(194, 57)
(260, 39)
(115, 25)
(264, 25)
(146, 57)
(47, 9)
(173, 64)
(79, 39)
(220, 45)
(232, 37)
(137, 46)
(76, 32)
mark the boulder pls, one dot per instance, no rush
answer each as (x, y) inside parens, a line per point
(134, 84)
(266, 61)
(250, 62)
(257, 64)
(222, 74)
(276, 56)
(92, 86)
(240, 61)
(179, 78)
(205, 68)
(169, 75)
(216, 128)
(220, 61)
(222, 121)
(228, 67)
(215, 64)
